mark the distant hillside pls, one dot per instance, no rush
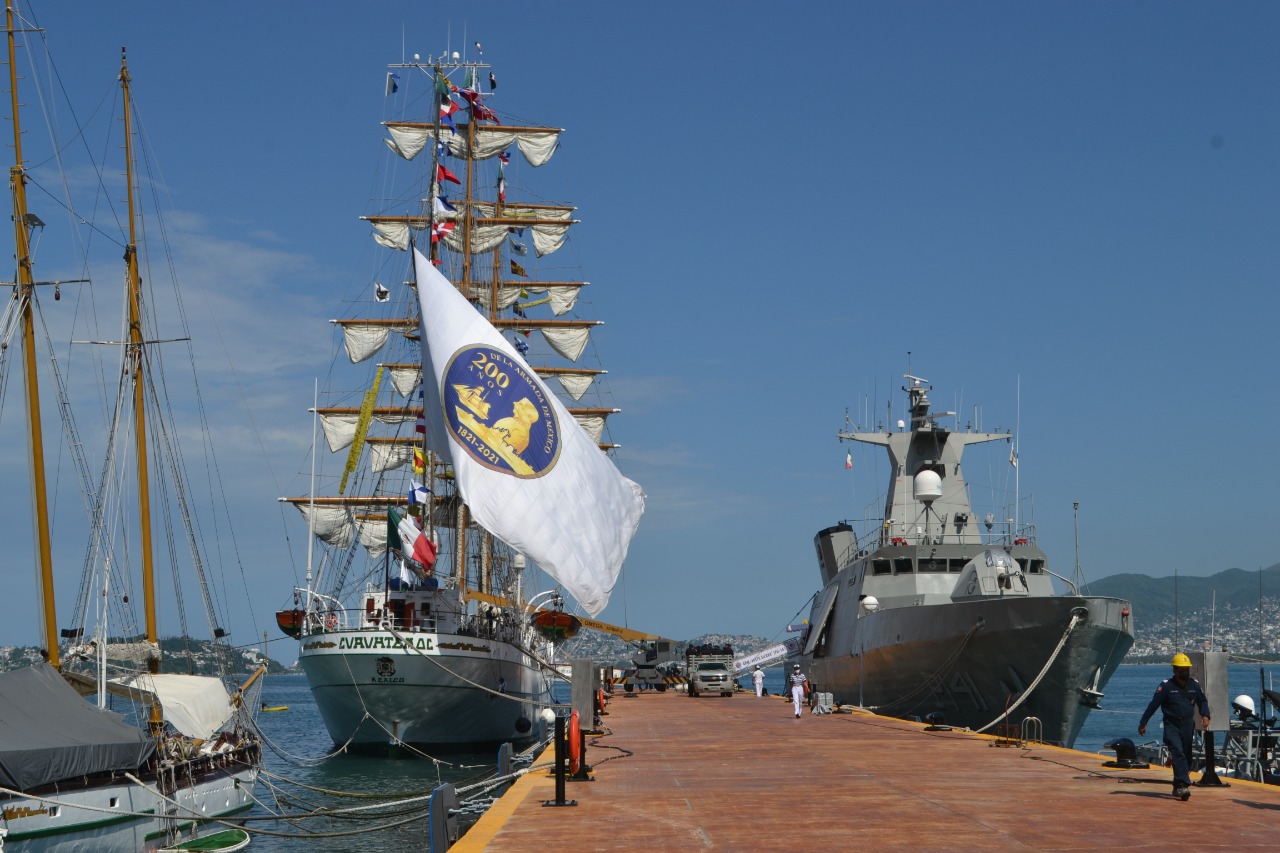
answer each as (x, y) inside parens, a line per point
(1154, 599)
(181, 655)
(608, 650)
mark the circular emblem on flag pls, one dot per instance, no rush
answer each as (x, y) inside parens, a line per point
(499, 413)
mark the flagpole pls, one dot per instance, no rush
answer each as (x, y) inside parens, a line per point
(311, 510)
(848, 464)
(1017, 472)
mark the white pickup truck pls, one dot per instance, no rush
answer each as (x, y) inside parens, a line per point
(710, 673)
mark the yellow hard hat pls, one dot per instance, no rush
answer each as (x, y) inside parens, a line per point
(1180, 660)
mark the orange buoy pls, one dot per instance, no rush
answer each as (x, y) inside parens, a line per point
(575, 743)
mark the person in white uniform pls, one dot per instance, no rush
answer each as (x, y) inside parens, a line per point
(799, 687)
(758, 678)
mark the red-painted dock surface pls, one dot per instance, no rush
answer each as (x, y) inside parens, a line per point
(741, 773)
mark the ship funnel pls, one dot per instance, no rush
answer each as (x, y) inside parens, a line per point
(927, 487)
(836, 546)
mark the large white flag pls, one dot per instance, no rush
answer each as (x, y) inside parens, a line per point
(529, 473)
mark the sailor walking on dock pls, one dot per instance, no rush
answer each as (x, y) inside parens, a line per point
(799, 687)
(758, 678)
(1178, 698)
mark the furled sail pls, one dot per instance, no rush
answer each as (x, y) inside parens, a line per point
(340, 424)
(405, 378)
(568, 342)
(593, 424)
(386, 456)
(333, 525)
(537, 144)
(549, 225)
(575, 386)
(560, 296)
(364, 339)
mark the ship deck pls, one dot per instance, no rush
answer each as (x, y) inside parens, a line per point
(741, 773)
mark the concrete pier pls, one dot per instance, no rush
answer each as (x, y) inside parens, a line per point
(741, 773)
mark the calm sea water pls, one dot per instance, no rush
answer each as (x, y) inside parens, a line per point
(298, 742)
(1131, 688)
(299, 778)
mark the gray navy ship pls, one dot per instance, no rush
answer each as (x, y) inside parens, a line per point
(942, 616)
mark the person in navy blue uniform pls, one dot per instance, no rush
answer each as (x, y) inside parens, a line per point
(1178, 698)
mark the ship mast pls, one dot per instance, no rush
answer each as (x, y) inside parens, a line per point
(26, 287)
(134, 365)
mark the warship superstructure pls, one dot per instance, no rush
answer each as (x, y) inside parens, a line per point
(937, 614)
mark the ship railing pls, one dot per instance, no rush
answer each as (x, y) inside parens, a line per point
(323, 612)
(1244, 751)
(500, 627)
(1001, 535)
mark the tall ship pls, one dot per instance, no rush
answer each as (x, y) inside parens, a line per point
(938, 613)
(109, 742)
(471, 497)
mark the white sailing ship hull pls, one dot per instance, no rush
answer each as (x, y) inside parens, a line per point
(121, 816)
(449, 691)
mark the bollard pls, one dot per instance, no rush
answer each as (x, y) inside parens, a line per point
(560, 760)
(1209, 778)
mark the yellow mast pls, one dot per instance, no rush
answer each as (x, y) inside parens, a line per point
(135, 365)
(26, 293)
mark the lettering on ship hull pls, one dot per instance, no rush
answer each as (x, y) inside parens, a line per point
(361, 642)
(13, 813)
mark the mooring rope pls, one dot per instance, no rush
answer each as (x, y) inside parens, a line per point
(1071, 626)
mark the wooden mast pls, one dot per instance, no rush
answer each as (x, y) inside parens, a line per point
(135, 365)
(25, 282)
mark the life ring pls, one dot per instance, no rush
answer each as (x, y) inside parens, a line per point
(600, 699)
(331, 621)
(575, 744)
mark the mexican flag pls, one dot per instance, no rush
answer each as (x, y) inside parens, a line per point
(404, 536)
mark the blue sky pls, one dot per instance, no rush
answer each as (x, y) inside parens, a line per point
(1077, 200)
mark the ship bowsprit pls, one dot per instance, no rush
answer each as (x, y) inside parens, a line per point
(1042, 657)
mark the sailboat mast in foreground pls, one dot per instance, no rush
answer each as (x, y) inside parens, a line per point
(76, 777)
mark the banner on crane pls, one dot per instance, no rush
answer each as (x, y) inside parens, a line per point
(787, 648)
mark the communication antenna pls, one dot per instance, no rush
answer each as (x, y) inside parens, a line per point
(1079, 575)
(1177, 643)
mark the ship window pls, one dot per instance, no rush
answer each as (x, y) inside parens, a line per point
(881, 567)
(1035, 566)
(902, 565)
(957, 565)
(933, 565)
(1022, 563)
